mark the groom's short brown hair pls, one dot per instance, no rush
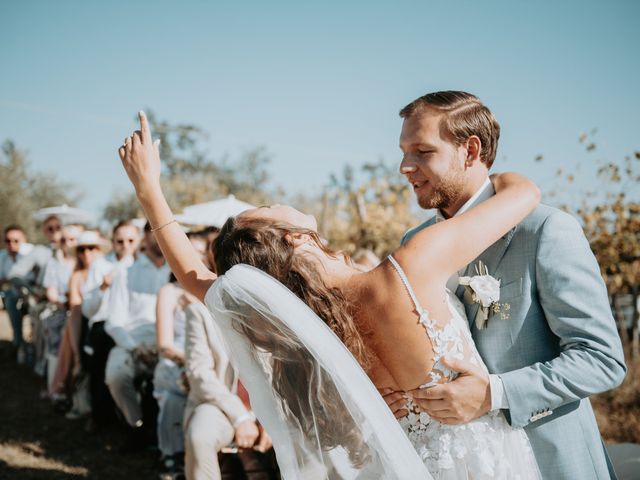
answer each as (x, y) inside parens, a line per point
(463, 115)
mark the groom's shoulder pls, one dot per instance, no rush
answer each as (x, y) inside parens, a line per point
(545, 218)
(412, 231)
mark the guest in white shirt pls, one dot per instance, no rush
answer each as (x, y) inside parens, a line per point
(29, 269)
(95, 306)
(131, 324)
(17, 247)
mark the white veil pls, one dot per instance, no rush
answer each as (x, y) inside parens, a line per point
(325, 417)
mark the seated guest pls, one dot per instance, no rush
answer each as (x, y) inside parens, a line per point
(95, 306)
(68, 368)
(168, 385)
(131, 324)
(16, 248)
(57, 274)
(26, 275)
(215, 415)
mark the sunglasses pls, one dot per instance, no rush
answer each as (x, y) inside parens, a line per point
(86, 248)
(126, 240)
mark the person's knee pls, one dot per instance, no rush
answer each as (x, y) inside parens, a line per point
(117, 373)
(205, 439)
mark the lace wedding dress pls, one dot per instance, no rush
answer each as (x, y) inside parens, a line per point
(275, 339)
(485, 448)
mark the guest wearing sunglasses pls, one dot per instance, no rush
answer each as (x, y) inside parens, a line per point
(57, 273)
(69, 367)
(25, 274)
(16, 248)
(95, 306)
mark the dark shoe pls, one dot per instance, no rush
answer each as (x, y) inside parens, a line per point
(138, 439)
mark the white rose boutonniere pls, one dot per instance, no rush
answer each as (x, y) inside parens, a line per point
(485, 290)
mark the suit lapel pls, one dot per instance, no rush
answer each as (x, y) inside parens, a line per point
(491, 257)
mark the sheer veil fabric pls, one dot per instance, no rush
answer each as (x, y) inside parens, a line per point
(326, 418)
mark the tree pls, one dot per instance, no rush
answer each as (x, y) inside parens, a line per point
(191, 176)
(610, 217)
(370, 210)
(24, 191)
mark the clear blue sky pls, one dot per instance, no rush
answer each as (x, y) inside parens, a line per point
(318, 84)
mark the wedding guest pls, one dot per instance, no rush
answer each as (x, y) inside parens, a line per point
(26, 275)
(30, 268)
(17, 247)
(215, 415)
(68, 367)
(131, 324)
(169, 389)
(95, 306)
(57, 274)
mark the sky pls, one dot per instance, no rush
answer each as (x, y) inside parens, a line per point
(319, 84)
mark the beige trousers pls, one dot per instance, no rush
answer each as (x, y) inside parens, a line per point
(207, 432)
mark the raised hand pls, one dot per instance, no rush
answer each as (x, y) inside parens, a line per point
(141, 158)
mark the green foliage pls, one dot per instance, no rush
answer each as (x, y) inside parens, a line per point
(25, 191)
(610, 215)
(369, 209)
(191, 176)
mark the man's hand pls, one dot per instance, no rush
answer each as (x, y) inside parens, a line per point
(395, 400)
(107, 281)
(246, 434)
(265, 442)
(466, 398)
(140, 157)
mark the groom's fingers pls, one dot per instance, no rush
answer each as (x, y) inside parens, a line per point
(144, 127)
(461, 366)
(438, 392)
(434, 406)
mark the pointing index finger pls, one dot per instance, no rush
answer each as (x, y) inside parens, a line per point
(144, 127)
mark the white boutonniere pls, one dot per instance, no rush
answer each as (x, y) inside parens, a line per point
(485, 290)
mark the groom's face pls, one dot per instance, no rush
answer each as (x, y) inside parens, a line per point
(433, 165)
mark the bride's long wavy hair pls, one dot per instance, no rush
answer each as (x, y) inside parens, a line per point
(268, 245)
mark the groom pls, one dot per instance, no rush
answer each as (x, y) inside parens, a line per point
(559, 344)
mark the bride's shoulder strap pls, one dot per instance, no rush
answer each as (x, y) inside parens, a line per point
(407, 285)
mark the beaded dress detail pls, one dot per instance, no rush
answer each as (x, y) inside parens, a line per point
(485, 448)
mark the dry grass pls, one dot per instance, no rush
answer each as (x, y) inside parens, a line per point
(618, 411)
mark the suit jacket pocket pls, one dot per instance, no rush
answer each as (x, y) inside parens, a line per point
(511, 290)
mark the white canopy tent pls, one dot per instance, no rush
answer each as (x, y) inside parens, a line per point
(66, 214)
(213, 214)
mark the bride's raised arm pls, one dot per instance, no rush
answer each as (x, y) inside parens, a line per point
(141, 159)
(448, 246)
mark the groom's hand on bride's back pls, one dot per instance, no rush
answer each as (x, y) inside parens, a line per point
(466, 398)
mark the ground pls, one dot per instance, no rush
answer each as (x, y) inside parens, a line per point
(38, 443)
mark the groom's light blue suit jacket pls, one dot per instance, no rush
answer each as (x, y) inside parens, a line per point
(559, 345)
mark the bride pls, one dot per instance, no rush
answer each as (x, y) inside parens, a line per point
(398, 321)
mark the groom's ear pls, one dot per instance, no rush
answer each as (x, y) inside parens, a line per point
(474, 148)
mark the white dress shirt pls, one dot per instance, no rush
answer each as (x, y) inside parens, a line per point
(95, 300)
(132, 304)
(7, 261)
(498, 396)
